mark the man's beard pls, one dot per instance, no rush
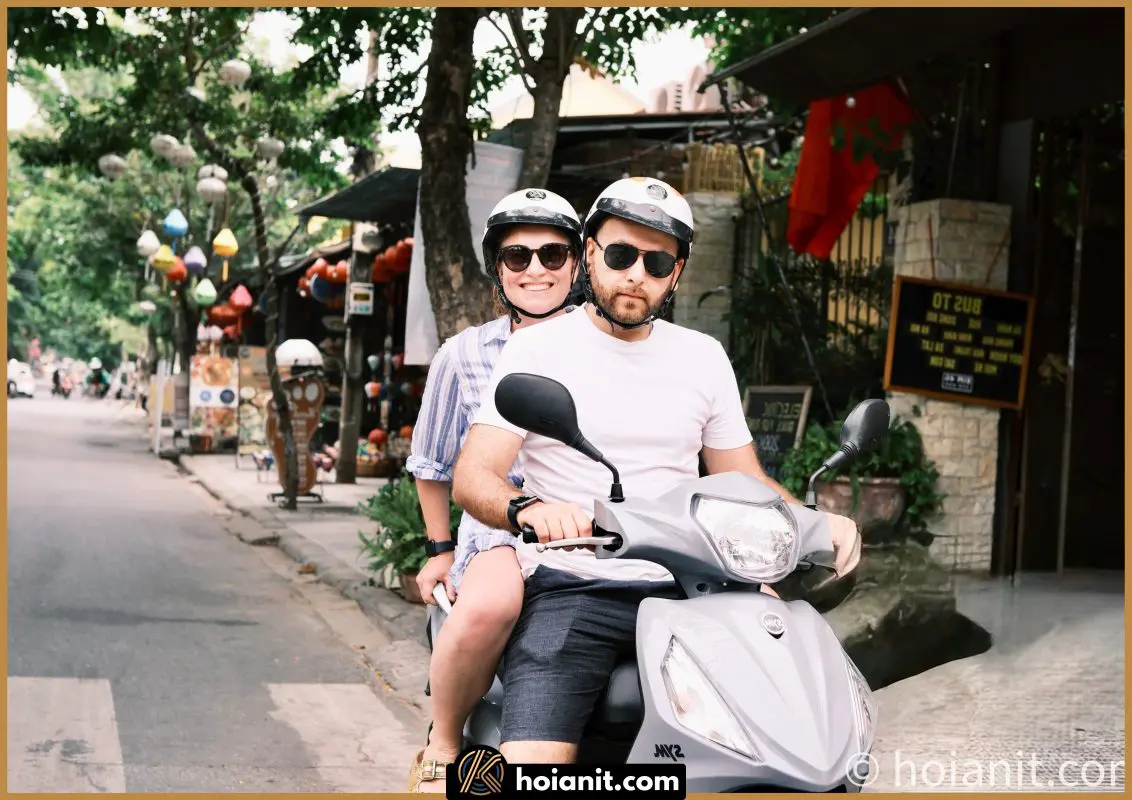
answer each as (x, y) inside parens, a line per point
(606, 296)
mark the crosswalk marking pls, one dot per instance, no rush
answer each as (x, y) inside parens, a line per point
(63, 736)
(356, 743)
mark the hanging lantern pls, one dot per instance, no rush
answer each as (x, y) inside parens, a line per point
(319, 268)
(163, 259)
(112, 166)
(373, 389)
(183, 155)
(212, 190)
(235, 72)
(225, 246)
(269, 148)
(175, 224)
(148, 243)
(163, 145)
(241, 299)
(378, 437)
(147, 306)
(212, 171)
(222, 315)
(177, 272)
(195, 260)
(205, 293)
(373, 362)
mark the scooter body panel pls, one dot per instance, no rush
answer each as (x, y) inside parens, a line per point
(791, 693)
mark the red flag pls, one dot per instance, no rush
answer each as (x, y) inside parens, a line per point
(831, 181)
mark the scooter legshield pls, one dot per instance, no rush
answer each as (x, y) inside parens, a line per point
(779, 670)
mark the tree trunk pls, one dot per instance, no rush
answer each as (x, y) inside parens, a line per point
(459, 292)
(549, 76)
(278, 396)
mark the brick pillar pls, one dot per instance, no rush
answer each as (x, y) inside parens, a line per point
(710, 265)
(961, 439)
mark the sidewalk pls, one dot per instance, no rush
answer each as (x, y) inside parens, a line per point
(323, 538)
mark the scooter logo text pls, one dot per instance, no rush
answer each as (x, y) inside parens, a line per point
(672, 751)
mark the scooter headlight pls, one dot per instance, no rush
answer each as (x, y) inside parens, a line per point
(757, 543)
(697, 704)
(864, 708)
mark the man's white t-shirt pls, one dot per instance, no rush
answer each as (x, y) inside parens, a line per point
(648, 406)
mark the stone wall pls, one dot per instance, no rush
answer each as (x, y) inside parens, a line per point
(710, 265)
(965, 238)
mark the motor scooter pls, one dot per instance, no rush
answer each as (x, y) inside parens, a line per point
(751, 692)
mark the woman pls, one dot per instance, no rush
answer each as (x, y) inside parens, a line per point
(531, 248)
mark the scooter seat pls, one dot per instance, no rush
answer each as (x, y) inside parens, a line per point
(621, 703)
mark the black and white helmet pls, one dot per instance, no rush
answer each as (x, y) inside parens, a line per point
(645, 201)
(528, 207)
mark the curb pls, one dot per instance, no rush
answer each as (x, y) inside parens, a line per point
(402, 665)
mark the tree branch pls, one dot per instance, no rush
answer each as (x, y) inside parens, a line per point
(523, 55)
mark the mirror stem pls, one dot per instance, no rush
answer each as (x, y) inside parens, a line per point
(811, 493)
(616, 494)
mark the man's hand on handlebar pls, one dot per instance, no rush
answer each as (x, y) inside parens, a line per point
(846, 543)
(555, 521)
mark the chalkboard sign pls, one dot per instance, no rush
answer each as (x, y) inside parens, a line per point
(776, 416)
(958, 343)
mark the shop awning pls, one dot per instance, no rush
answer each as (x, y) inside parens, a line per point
(387, 195)
(861, 46)
(300, 261)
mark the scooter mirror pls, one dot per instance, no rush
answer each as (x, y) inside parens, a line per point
(545, 407)
(540, 405)
(866, 425)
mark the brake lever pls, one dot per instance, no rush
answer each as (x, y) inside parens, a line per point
(581, 541)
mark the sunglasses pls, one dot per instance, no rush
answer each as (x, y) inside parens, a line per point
(658, 263)
(517, 257)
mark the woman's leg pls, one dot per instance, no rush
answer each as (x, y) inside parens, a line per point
(468, 648)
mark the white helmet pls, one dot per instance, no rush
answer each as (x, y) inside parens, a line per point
(646, 201)
(528, 207)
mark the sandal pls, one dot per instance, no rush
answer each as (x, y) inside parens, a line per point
(423, 771)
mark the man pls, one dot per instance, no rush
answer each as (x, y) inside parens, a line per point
(650, 396)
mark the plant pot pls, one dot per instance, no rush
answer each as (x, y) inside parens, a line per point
(880, 503)
(409, 588)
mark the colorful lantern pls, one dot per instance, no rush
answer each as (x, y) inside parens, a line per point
(373, 389)
(177, 272)
(195, 260)
(112, 166)
(183, 155)
(212, 171)
(225, 246)
(235, 72)
(163, 145)
(205, 293)
(373, 362)
(175, 224)
(378, 437)
(269, 148)
(163, 259)
(222, 315)
(241, 299)
(211, 189)
(148, 243)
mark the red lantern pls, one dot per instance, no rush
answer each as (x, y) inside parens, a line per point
(178, 272)
(407, 432)
(222, 316)
(231, 332)
(318, 269)
(373, 389)
(378, 437)
(241, 299)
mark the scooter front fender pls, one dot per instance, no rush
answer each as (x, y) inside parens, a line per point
(778, 668)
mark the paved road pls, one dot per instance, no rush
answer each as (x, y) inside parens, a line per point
(150, 651)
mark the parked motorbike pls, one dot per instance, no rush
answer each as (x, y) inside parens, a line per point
(751, 692)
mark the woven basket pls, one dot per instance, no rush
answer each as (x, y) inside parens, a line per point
(717, 168)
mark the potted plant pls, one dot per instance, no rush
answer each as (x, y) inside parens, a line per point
(398, 544)
(888, 492)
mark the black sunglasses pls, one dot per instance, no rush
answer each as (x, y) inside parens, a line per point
(517, 257)
(618, 256)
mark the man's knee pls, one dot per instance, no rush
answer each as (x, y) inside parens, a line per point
(539, 752)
